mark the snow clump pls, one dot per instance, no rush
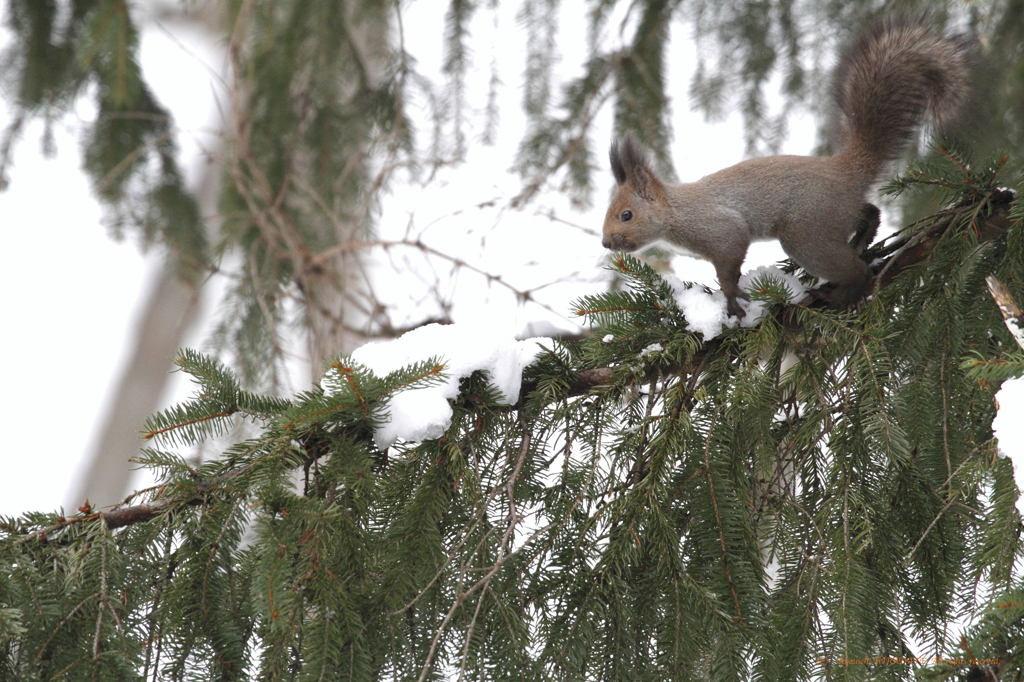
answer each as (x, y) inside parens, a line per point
(706, 312)
(423, 413)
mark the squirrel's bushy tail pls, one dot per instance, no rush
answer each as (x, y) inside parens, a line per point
(898, 74)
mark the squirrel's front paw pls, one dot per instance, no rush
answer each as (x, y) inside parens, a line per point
(734, 309)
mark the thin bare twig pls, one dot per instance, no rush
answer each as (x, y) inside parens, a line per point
(503, 551)
(418, 244)
(1012, 315)
(950, 503)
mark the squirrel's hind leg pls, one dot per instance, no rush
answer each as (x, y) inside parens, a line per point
(842, 295)
(838, 262)
(867, 228)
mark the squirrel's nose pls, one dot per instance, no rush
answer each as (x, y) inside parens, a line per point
(616, 242)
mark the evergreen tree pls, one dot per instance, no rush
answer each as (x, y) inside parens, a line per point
(791, 501)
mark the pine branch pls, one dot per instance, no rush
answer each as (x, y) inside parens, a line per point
(586, 381)
(718, 520)
(120, 517)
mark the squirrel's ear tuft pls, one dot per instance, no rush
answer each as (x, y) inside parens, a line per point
(628, 159)
(630, 164)
(634, 157)
(618, 169)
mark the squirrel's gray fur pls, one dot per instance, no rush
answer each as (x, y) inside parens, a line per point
(897, 75)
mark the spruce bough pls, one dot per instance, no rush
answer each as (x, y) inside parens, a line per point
(773, 503)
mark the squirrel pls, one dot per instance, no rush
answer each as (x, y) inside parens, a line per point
(893, 78)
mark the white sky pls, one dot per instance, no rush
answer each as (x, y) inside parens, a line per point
(74, 295)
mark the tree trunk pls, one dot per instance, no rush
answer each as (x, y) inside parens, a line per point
(170, 312)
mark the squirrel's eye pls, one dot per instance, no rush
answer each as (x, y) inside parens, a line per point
(626, 216)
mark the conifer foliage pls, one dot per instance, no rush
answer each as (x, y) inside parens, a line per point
(790, 501)
(819, 496)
